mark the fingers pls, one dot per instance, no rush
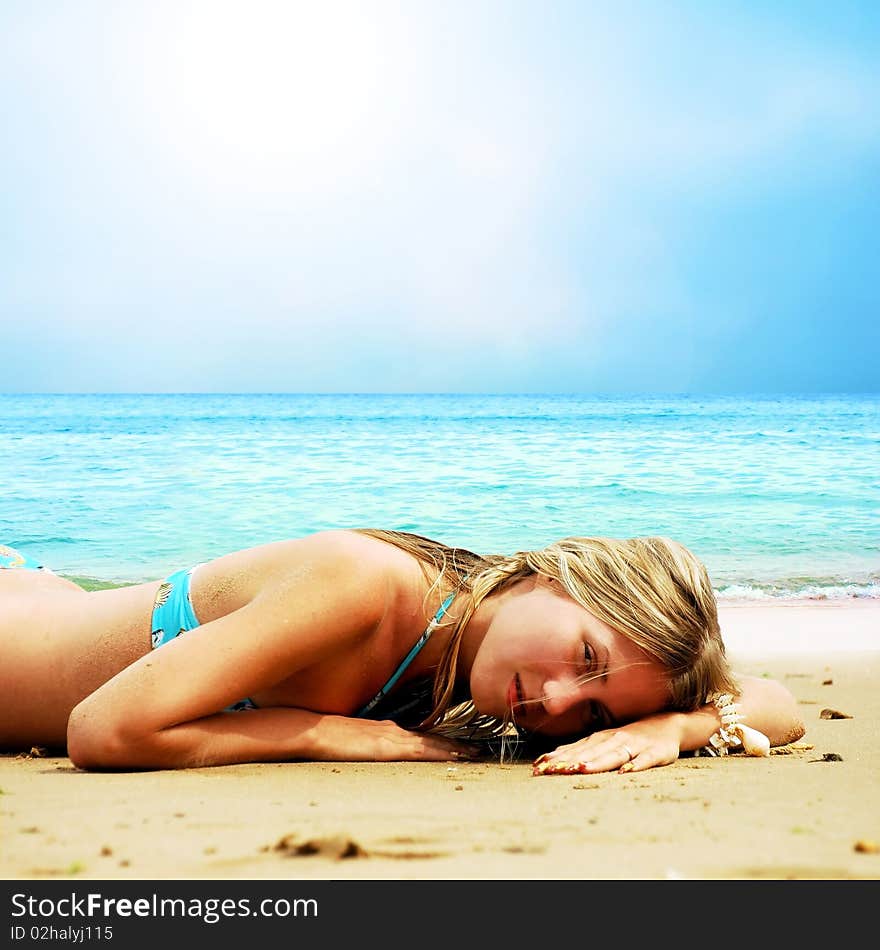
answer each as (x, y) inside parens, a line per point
(394, 744)
(466, 750)
(439, 750)
(605, 757)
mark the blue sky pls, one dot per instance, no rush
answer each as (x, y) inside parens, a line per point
(439, 197)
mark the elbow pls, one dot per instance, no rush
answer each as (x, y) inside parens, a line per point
(794, 726)
(89, 746)
(797, 730)
(94, 744)
(771, 708)
(789, 724)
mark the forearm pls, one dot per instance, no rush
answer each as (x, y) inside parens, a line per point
(763, 704)
(261, 735)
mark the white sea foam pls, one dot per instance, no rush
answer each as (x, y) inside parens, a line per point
(833, 591)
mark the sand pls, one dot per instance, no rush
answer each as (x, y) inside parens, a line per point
(809, 812)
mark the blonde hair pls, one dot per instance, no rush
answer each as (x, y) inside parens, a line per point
(652, 590)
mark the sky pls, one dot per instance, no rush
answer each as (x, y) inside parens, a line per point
(478, 196)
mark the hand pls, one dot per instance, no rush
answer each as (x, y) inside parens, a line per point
(381, 740)
(634, 747)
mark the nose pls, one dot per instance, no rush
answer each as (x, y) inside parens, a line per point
(560, 695)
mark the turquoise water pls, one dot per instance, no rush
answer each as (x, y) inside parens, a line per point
(780, 496)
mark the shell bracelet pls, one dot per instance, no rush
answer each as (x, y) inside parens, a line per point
(733, 733)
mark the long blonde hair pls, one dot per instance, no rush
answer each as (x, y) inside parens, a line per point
(652, 590)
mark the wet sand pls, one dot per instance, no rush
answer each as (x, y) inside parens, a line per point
(811, 811)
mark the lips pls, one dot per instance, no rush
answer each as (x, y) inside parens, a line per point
(515, 695)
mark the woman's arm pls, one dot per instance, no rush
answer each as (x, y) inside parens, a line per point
(763, 704)
(257, 735)
(163, 711)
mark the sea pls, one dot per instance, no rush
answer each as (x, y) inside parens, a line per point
(778, 495)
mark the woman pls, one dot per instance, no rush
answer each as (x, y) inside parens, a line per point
(375, 646)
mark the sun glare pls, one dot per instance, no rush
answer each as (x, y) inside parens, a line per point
(263, 87)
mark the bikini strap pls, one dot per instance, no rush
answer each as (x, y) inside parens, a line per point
(423, 639)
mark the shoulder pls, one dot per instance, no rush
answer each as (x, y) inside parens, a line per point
(346, 552)
(358, 575)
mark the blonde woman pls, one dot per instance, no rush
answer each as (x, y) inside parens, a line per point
(378, 646)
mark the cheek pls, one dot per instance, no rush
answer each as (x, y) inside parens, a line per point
(646, 700)
(503, 642)
(485, 694)
(482, 674)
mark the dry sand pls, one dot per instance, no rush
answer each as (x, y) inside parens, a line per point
(812, 813)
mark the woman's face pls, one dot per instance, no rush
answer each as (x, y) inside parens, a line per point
(556, 669)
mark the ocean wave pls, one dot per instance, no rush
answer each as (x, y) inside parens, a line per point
(782, 591)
